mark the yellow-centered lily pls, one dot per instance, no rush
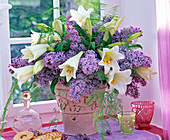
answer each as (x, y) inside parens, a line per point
(57, 25)
(43, 38)
(119, 80)
(23, 73)
(70, 66)
(109, 58)
(80, 16)
(145, 73)
(35, 51)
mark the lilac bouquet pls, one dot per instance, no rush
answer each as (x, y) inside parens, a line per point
(83, 56)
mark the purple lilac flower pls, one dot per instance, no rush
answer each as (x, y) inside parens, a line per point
(81, 85)
(45, 76)
(77, 89)
(125, 33)
(82, 137)
(108, 132)
(64, 136)
(52, 59)
(72, 34)
(133, 87)
(107, 18)
(18, 62)
(36, 132)
(77, 47)
(68, 17)
(89, 63)
(98, 36)
(116, 37)
(70, 54)
(70, 23)
(133, 59)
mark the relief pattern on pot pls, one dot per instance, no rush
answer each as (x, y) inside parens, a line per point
(69, 107)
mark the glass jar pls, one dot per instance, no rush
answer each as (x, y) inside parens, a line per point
(27, 118)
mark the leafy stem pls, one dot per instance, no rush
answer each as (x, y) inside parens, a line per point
(109, 104)
(14, 86)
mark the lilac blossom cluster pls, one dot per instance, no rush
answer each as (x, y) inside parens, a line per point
(99, 35)
(133, 59)
(133, 87)
(44, 77)
(75, 40)
(82, 85)
(51, 61)
(89, 63)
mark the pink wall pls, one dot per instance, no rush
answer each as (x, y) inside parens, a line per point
(142, 13)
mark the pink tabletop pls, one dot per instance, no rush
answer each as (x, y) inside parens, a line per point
(116, 135)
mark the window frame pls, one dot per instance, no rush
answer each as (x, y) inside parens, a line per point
(44, 108)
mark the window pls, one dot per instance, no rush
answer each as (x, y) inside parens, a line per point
(23, 18)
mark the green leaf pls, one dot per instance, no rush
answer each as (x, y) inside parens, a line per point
(13, 87)
(67, 45)
(90, 101)
(103, 42)
(135, 46)
(110, 39)
(53, 84)
(80, 30)
(60, 47)
(84, 41)
(93, 45)
(48, 11)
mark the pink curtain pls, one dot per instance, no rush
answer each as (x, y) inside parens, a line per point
(163, 22)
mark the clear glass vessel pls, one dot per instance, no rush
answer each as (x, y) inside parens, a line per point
(126, 121)
(27, 118)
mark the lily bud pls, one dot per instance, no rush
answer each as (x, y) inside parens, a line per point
(57, 25)
(88, 26)
(145, 73)
(134, 36)
(39, 65)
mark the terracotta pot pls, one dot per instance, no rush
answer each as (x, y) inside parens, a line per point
(78, 118)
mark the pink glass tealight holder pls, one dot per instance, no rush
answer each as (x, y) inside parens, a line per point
(144, 112)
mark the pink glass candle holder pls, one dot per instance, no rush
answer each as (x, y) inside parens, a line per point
(144, 112)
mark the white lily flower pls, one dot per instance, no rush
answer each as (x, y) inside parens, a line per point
(34, 52)
(119, 80)
(80, 16)
(145, 73)
(44, 37)
(23, 74)
(109, 58)
(70, 66)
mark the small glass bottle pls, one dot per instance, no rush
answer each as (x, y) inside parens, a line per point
(27, 118)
